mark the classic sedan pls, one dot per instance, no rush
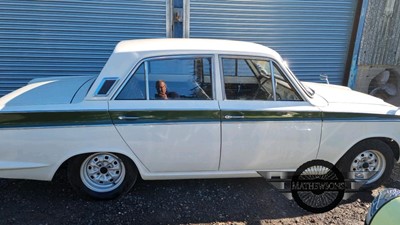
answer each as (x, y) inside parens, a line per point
(186, 109)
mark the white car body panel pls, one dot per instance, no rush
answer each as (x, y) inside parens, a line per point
(183, 148)
(339, 136)
(363, 122)
(32, 158)
(264, 148)
(165, 146)
(37, 92)
(344, 95)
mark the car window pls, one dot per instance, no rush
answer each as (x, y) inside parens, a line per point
(251, 79)
(247, 79)
(180, 79)
(284, 89)
(135, 88)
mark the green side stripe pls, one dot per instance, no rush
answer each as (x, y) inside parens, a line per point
(39, 119)
(358, 116)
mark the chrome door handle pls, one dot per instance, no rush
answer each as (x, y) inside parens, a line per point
(228, 117)
(128, 117)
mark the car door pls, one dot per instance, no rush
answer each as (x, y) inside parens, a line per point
(180, 133)
(266, 123)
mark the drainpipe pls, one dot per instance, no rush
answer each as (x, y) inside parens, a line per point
(354, 62)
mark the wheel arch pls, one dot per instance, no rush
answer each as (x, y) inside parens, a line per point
(60, 169)
(394, 146)
(379, 160)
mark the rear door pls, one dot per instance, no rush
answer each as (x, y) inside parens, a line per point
(177, 134)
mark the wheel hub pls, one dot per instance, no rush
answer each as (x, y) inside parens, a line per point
(369, 164)
(102, 172)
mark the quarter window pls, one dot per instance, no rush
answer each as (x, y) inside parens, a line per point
(284, 89)
(106, 85)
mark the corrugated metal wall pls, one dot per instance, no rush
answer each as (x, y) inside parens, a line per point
(313, 35)
(380, 44)
(69, 37)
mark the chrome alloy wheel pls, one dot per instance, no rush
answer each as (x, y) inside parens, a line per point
(102, 172)
(369, 164)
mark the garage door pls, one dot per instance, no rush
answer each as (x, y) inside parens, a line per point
(312, 35)
(69, 38)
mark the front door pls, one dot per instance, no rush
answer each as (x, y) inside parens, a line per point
(266, 124)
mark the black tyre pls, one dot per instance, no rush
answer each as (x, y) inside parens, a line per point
(372, 156)
(102, 175)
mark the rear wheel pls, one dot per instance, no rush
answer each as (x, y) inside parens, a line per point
(102, 175)
(371, 160)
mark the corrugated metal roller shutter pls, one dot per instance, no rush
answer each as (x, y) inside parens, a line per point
(67, 38)
(312, 35)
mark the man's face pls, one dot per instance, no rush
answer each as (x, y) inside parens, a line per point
(162, 89)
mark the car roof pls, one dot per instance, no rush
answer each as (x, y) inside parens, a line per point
(193, 44)
(128, 54)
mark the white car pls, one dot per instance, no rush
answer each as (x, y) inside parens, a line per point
(190, 108)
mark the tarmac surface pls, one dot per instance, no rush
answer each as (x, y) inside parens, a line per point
(212, 201)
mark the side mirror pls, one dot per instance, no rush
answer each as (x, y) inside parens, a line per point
(324, 77)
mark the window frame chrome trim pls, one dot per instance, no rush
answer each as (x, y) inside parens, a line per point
(257, 57)
(271, 66)
(146, 79)
(287, 70)
(161, 57)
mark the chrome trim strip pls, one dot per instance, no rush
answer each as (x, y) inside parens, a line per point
(293, 79)
(179, 123)
(228, 117)
(217, 122)
(128, 117)
(145, 60)
(271, 66)
(233, 121)
(256, 57)
(221, 77)
(146, 79)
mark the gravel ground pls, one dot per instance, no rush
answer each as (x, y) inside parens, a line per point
(216, 201)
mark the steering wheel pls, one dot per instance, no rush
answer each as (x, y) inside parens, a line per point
(262, 88)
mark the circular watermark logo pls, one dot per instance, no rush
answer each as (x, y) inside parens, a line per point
(318, 186)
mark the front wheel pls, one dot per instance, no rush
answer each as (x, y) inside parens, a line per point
(102, 175)
(372, 161)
